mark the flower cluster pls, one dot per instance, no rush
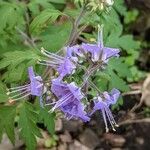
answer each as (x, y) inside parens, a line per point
(66, 95)
(100, 4)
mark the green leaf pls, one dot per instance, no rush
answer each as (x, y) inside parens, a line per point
(43, 19)
(117, 82)
(27, 122)
(10, 15)
(120, 7)
(10, 76)
(48, 119)
(34, 5)
(58, 1)
(126, 42)
(59, 34)
(131, 16)
(13, 59)
(120, 67)
(3, 96)
(7, 116)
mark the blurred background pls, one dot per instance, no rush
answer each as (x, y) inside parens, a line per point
(28, 25)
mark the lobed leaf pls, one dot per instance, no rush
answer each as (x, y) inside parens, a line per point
(48, 119)
(27, 123)
(7, 116)
(43, 19)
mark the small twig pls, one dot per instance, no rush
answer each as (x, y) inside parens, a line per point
(26, 37)
(132, 92)
(129, 121)
(137, 105)
(76, 35)
(75, 26)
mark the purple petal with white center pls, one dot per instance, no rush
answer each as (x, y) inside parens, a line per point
(64, 65)
(59, 88)
(66, 68)
(73, 52)
(36, 84)
(111, 52)
(98, 51)
(93, 49)
(35, 87)
(69, 99)
(103, 104)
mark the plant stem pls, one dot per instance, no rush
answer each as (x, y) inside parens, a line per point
(75, 26)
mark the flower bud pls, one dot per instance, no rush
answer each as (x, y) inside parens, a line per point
(100, 4)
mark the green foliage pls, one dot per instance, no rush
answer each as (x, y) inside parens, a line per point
(3, 96)
(131, 16)
(43, 19)
(51, 34)
(27, 123)
(7, 116)
(40, 25)
(16, 63)
(34, 5)
(7, 10)
(48, 119)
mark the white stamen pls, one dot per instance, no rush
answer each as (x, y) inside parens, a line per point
(62, 100)
(51, 55)
(107, 113)
(22, 97)
(45, 64)
(105, 121)
(50, 103)
(18, 87)
(20, 94)
(50, 62)
(112, 118)
(17, 90)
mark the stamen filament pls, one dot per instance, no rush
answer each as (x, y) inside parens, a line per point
(50, 62)
(50, 103)
(17, 90)
(50, 55)
(22, 97)
(105, 121)
(18, 87)
(45, 64)
(61, 101)
(20, 94)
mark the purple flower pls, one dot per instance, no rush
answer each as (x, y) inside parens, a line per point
(63, 65)
(35, 87)
(73, 52)
(103, 103)
(69, 100)
(98, 51)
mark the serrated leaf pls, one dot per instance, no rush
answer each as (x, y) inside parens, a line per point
(3, 95)
(125, 42)
(51, 34)
(34, 5)
(12, 59)
(10, 14)
(131, 16)
(117, 82)
(120, 67)
(10, 75)
(7, 116)
(43, 19)
(27, 122)
(119, 6)
(48, 119)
